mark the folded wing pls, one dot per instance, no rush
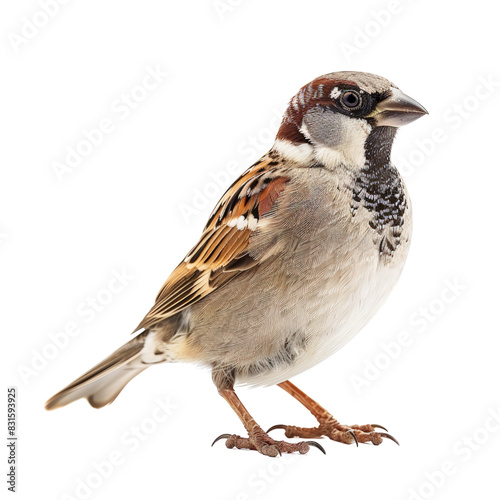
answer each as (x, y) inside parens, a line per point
(225, 247)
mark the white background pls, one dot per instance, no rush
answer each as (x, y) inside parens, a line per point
(133, 205)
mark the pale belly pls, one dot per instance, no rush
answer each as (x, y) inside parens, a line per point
(342, 297)
(344, 309)
(301, 326)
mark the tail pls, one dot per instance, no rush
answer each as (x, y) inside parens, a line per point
(104, 382)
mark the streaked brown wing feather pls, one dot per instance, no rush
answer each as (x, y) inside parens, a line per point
(222, 251)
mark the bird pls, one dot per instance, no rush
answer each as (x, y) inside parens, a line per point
(296, 258)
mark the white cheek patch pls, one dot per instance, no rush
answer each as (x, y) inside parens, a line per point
(335, 93)
(301, 153)
(346, 145)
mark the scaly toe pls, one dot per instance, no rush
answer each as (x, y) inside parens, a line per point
(264, 444)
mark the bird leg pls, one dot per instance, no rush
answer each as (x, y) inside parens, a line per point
(257, 439)
(328, 425)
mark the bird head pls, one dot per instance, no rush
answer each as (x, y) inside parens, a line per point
(337, 116)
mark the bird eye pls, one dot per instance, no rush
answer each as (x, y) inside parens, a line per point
(351, 99)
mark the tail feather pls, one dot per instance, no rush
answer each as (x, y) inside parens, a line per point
(102, 384)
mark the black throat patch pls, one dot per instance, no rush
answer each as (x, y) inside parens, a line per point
(379, 189)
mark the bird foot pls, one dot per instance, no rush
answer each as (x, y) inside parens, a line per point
(264, 444)
(338, 432)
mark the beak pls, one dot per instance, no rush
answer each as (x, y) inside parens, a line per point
(397, 110)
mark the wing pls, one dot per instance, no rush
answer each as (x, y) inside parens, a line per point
(225, 247)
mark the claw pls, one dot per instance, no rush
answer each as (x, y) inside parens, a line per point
(316, 445)
(388, 436)
(379, 427)
(277, 448)
(353, 434)
(222, 436)
(279, 426)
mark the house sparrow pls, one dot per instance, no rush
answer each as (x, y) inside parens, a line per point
(297, 256)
